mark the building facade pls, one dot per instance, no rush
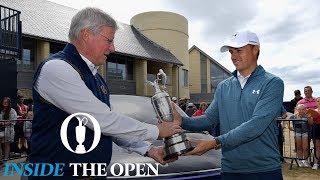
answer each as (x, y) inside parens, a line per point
(205, 75)
(153, 40)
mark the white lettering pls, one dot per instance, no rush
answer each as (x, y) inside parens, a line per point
(75, 166)
(128, 167)
(85, 169)
(102, 169)
(140, 167)
(120, 169)
(155, 170)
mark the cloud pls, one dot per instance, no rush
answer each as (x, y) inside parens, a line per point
(222, 18)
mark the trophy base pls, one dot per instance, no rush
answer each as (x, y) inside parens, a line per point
(80, 149)
(176, 145)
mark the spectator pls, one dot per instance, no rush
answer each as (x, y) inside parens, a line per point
(301, 133)
(295, 100)
(309, 101)
(21, 108)
(202, 109)
(18, 128)
(7, 114)
(316, 130)
(191, 109)
(27, 129)
(183, 104)
(174, 99)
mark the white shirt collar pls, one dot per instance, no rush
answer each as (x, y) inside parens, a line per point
(242, 80)
(93, 68)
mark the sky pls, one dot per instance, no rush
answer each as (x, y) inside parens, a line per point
(288, 31)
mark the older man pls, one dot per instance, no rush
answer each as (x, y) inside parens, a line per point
(246, 106)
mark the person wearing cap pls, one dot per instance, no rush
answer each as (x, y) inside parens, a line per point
(183, 104)
(295, 100)
(175, 100)
(191, 109)
(246, 106)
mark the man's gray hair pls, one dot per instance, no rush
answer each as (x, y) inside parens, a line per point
(92, 18)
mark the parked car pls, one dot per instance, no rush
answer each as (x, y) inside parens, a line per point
(191, 167)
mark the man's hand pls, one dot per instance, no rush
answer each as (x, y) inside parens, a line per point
(167, 129)
(203, 145)
(157, 153)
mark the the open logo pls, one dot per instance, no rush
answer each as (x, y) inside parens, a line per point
(80, 132)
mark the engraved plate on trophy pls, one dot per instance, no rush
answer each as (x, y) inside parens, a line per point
(176, 144)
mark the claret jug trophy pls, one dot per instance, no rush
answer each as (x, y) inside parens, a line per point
(176, 144)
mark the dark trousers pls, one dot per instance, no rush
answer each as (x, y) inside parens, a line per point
(274, 175)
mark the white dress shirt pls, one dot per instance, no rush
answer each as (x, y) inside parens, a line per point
(60, 84)
(242, 80)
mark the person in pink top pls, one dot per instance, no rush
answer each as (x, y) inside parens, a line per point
(21, 108)
(309, 101)
(317, 136)
(203, 107)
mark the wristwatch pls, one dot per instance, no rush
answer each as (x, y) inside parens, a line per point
(147, 153)
(218, 144)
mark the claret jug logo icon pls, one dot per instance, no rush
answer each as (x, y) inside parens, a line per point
(80, 130)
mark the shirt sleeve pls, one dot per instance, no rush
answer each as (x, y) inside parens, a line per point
(139, 147)
(61, 85)
(266, 110)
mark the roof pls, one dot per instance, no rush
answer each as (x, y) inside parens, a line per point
(50, 21)
(130, 41)
(210, 58)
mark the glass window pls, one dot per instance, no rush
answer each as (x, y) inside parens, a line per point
(184, 78)
(120, 68)
(203, 71)
(28, 54)
(217, 74)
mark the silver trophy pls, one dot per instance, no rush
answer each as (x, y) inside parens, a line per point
(176, 144)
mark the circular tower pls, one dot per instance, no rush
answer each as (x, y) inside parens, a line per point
(169, 30)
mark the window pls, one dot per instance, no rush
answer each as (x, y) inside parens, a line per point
(203, 71)
(28, 54)
(217, 74)
(184, 78)
(120, 68)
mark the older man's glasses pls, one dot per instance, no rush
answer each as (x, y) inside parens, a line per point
(109, 41)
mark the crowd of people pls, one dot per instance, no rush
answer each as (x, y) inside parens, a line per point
(15, 128)
(306, 125)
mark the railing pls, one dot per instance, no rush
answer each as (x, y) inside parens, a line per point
(15, 134)
(297, 146)
(10, 32)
